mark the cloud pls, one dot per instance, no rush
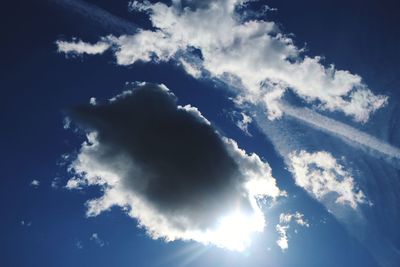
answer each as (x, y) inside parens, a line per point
(244, 122)
(79, 244)
(93, 101)
(103, 18)
(55, 182)
(25, 223)
(346, 132)
(226, 42)
(35, 183)
(97, 240)
(283, 226)
(262, 65)
(167, 167)
(322, 177)
(79, 47)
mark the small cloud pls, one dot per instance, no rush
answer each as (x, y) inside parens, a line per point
(244, 122)
(96, 239)
(282, 242)
(78, 47)
(321, 176)
(79, 244)
(284, 224)
(35, 183)
(66, 123)
(93, 101)
(75, 183)
(25, 223)
(64, 159)
(241, 119)
(55, 183)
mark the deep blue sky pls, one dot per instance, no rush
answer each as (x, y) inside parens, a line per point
(38, 84)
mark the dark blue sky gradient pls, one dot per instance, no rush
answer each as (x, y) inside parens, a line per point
(38, 84)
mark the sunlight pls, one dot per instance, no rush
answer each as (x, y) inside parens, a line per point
(234, 231)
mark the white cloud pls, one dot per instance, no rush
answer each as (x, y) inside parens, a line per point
(283, 226)
(285, 218)
(97, 240)
(80, 47)
(244, 122)
(283, 241)
(227, 43)
(35, 183)
(93, 101)
(66, 123)
(74, 183)
(322, 177)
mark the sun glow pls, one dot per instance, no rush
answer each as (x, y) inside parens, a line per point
(234, 231)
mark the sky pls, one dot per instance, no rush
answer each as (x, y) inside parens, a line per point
(200, 133)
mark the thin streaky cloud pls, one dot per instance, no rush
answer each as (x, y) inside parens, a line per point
(104, 18)
(342, 131)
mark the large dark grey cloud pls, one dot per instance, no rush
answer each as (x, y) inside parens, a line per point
(168, 157)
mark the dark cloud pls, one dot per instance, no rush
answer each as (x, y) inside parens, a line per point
(184, 163)
(167, 163)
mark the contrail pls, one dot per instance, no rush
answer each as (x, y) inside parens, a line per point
(342, 130)
(104, 18)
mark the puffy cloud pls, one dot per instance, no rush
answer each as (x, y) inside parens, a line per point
(167, 167)
(283, 226)
(325, 179)
(253, 56)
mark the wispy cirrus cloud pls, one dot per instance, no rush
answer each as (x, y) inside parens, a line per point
(103, 18)
(325, 179)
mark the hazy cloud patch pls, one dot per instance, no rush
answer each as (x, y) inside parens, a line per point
(325, 179)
